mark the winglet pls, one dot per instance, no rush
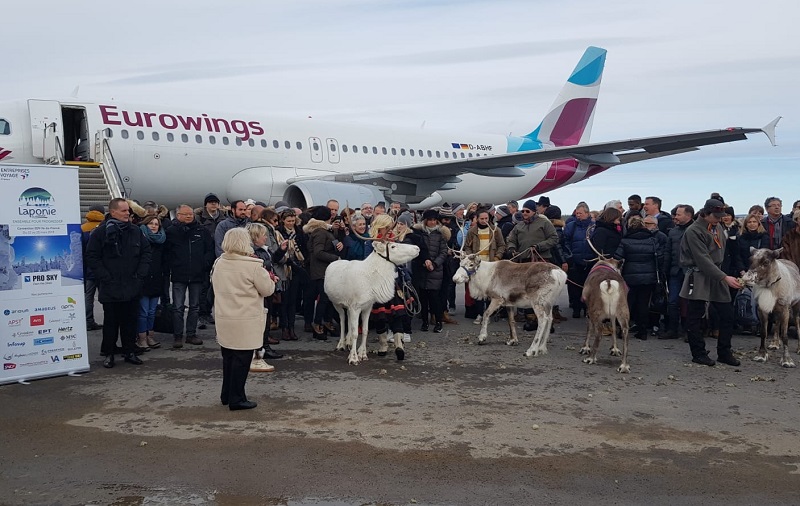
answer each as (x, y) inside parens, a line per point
(769, 129)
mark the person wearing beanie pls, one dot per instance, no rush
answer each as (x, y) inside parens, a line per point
(534, 236)
(239, 217)
(485, 240)
(208, 216)
(542, 204)
(448, 290)
(406, 219)
(94, 217)
(458, 210)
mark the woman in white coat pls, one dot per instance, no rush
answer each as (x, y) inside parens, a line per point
(240, 285)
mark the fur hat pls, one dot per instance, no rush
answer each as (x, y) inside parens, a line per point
(529, 204)
(430, 214)
(552, 213)
(321, 213)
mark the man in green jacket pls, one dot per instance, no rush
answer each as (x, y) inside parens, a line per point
(702, 251)
(534, 237)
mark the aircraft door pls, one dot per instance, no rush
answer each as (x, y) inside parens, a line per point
(316, 149)
(333, 150)
(47, 131)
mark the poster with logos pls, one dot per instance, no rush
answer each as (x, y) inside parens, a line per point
(41, 273)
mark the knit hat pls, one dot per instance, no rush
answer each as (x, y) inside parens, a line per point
(729, 211)
(321, 213)
(99, 208)
(430, 214)
(714, 207)
(502, 211)
(552, 213)
(446, 211)
(529, 204)
(457, 206)
(406, 219)
(249, 202)
(543, 201)
(211, 197)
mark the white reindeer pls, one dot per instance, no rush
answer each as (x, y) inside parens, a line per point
(514, 285)
(355, 285)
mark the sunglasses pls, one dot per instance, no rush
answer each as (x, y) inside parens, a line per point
(526, 211)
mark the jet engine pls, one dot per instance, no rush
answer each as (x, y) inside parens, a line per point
(310, 193)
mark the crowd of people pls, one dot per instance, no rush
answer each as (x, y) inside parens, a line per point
(143, 263)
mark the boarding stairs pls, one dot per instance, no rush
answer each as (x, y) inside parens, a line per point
(98, 179)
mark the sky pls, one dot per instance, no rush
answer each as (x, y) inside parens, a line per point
(491, 66)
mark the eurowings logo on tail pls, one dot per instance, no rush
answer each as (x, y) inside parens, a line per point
(4, 153)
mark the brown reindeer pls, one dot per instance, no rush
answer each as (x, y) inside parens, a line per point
(606, 297)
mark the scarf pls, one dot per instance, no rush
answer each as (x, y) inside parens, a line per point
(154, 238)
(429, 229)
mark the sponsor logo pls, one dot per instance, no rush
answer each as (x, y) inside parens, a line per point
(12, 356)
(70, 317)
(33, 364)
(8, 312)
(44, 309)
(44, 332)
(74, 346)
(74, 356)
(36, 202)
(42, 341)
(22, 333)
(8, 366)
(37, 319)
(9, 173)
(15, 322)
(51, 351)
(69, 337)
(65, 329)
(54, 359)
(43, 278)
(15, 344)
(8, 357)
(70, 304)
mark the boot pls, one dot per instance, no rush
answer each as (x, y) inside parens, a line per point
(285, 335)
(557, 316)
(141, 340)
(131, 358)
(292, 335)
(449, 319)
(152, 343)
(271, 354)
(177, 342)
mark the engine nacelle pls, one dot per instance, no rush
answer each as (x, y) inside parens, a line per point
(304, 194)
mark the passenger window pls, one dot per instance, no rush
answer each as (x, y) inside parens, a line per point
(470, 155)
(287, 145)
(344, 148)
(364, 149)
(226, 141)
(140, 135)
(383, 150)
(109, 133)
(447, 154)
(184, 138)
(333, 148)
(438, 155)
(394, 151)
(155, 136)
(170, 137)
(299, 145)
(251, 142)
(198, 139)
(355, 149)
(402, 151)
(212, 139)
(238, 141)
(5, 127)
(263, 143)
(411, 152)
(430, 155)
(275, 144)
(462, 155)
(124, 134)
(315, 146)
(374, 150)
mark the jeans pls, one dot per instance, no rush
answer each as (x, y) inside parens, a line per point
(179, 299)
(147, 314)
(89, 290)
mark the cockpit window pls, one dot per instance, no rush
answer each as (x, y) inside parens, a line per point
(5, 127)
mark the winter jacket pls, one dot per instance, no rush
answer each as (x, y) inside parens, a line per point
(355, 248)
(745, 241)
(222, 227)
(153, 283)
(240, 285)
(208, 222)
(672, 253)
(786, 226)
(322, 252)
(497, 246)
(436, 245)
(538, 233)
(701, 258)
(665, 223)
(606, 238)
(575, 241)
(643, 253)
(188, 252)
(119, 256)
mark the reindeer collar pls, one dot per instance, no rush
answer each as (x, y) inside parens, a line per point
(774, 282)
(468, 271)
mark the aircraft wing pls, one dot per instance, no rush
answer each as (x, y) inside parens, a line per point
(425, 178)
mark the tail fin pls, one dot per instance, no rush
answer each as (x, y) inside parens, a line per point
(569, 120)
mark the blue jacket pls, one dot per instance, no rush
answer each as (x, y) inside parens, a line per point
(575, 241)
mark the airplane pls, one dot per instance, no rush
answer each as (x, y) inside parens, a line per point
(173, 156)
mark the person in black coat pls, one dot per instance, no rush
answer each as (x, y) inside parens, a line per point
(752, 235)
(189, 254)
(119, 254)
(643, 265)
(607, 232)
(153, 283)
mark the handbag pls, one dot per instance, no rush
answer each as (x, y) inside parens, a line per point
(164, 323)
(659, 299)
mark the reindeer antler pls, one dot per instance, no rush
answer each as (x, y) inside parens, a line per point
(600, 256)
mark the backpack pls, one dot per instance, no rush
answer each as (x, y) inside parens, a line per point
(744, 306)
